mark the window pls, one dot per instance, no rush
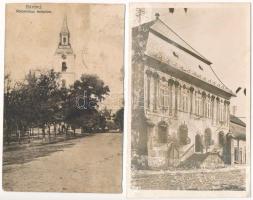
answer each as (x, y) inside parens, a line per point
(208, 138)
(185, 100)
(225, 113)
(163, 98)
(64, 40)
(148, 92)
(221, 112)
(218, 111)
(198, 104)
(64, 67)
(212, 109)
(155, 93)
(208, 108)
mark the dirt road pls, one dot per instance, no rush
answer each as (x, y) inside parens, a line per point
(89, 164)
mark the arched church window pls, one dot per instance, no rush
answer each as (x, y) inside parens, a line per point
(183, 134)
(64, 40)
(64, 67)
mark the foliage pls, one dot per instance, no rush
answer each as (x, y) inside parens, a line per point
(39, 101)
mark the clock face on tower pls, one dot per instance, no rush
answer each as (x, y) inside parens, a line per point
(63, 56)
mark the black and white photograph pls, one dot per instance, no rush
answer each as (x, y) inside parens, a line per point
(63, 98)
(190, 86)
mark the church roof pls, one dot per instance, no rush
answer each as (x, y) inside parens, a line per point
(163, 43)
(64, 28)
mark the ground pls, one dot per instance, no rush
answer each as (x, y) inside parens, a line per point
(89, 164)
(231, 178)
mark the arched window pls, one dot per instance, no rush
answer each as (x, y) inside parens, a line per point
(208, 138)
(156, 84)
(148, 87)
(162, 132)
(63, 67)
(183, 134)
(184, 99)
(198, 143)
(64, 40)
(162, 98)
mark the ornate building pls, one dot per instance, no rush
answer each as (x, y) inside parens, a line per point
(64, 57)
(179, 106)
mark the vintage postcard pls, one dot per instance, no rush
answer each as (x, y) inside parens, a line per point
(190, 90)
(63, 98)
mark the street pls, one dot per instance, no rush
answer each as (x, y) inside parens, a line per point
(89, 164)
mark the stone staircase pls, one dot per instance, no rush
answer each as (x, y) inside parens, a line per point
(202, 160)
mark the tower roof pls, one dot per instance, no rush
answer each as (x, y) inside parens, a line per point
(64, 28)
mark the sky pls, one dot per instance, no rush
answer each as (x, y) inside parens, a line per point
(96, 36)
(220, 32)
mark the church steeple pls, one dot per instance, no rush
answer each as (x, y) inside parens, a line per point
(64, 28)
(64, 58)
(64, 34)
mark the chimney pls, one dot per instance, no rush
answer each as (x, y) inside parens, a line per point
(157, 15)
(234, 108)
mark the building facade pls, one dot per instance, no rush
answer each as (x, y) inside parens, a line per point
(179, 105)
(237, 141)
(64, 57)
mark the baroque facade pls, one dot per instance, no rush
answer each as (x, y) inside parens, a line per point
(179, 106)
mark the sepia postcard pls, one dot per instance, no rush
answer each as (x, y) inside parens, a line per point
(189, 124)
(63, 98)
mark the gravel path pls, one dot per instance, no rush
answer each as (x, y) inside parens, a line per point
(89, 164)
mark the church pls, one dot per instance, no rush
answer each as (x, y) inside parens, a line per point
(180, 107)
(64, 57)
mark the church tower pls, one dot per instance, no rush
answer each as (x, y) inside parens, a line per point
(64, 58)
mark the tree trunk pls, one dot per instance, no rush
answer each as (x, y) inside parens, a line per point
(43, 132)
(29, 133)
(67, 128)
(55, 129)
(38, 133)
(49, 133)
